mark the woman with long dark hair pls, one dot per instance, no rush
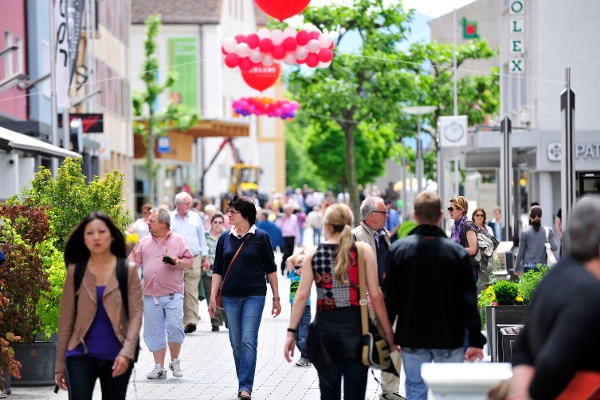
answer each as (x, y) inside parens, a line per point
(532, 243)
(97, 336)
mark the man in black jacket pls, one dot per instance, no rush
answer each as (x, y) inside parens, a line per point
(562, 327)
(429, 286)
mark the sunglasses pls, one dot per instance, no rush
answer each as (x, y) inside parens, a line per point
(452, 209)
(479, 215)
(297, 266)
(217, 222)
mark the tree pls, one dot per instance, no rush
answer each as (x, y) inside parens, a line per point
(370, 89)
(148, 123)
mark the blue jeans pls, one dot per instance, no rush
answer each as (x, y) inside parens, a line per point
(355, 380)
(302, 332)
(316, 236)
(82, 372)
(243, 318)
(412, 358)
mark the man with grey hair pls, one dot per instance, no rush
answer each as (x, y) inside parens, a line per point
(373, 215)
(163, 256)
(560, 337)
(191, 227)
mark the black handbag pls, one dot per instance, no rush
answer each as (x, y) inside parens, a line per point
(375, 352)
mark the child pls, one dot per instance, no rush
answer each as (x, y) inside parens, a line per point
(294, 266)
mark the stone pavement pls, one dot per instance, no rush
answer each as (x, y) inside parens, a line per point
(209, 370)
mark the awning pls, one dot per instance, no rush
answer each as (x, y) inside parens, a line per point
(219, 128)
(10, 140)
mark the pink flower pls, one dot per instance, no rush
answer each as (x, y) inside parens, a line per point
(494, 303)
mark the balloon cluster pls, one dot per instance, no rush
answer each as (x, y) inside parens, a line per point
(282, 108)
(266, 47)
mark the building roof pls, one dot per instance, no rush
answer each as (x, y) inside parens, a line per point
(177, 11)
(185, 11)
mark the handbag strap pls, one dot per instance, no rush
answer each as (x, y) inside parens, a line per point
(232, 260)
(547, 233)
(362, 288)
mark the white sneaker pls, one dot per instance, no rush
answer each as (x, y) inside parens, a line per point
(175, 366)
(158, 373)
(303, 362)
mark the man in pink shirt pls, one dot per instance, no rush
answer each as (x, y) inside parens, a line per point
(163, 256)
(290, 230)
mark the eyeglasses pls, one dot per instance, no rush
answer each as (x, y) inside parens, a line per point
(478, 215)
(380, 212)
(230, 211)
(452, 209)
(297, 266)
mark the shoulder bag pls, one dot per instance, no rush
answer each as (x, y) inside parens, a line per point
(375, 352)
(219, 297)
(550, 257)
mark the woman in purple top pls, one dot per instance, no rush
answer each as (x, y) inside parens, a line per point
(98, 336)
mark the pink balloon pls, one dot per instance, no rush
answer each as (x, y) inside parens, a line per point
(294, 105)
(232, 60)
(325, 55)
(240, 38)
(315, 35)
(225, 52)
(302, 37)
(278, 52)
(252, 40)
(277, 112)
(312, 60)
(290, 44)
(265, 45)
(245, 64)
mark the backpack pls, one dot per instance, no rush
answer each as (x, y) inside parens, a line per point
(122, 273)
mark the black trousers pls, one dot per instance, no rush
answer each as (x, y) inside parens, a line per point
(82, 372)
(288, 250)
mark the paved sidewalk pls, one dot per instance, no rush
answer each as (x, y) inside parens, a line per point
(209, 370)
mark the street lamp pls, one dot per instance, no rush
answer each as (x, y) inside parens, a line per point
(418, 111)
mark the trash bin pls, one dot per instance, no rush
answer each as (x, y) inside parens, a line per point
(508, 335)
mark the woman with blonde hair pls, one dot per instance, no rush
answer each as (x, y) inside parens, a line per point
(333, 345)
(464, 231)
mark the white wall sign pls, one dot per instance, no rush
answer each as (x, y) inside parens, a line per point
(516, 29)
(516, 65)
(582, 150)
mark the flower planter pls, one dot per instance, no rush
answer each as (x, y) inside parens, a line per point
(497, 317)
(38, 371)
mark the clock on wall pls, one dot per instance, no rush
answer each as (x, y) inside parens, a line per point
(454, 132)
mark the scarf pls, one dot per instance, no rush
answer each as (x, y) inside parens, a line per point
(457, 228)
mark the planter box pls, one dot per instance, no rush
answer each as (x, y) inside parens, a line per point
(38, 371)
(499, 317)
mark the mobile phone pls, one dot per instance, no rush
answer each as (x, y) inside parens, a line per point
(168, 260)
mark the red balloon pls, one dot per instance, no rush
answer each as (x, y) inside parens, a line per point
(278, 52)
(312, 60)
(265, 45)
(240, 38)
(313, 35)
(232, 60)
(261, 78)
(281, 9)
(245, 64)
(290, 44)
(252, 40)
(302, 37)
(325, 55)
(223, 51)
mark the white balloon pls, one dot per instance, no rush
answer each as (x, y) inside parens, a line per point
(242, 50)
(313, 46)
(263, 33)
(290, 31)
(255, 55)
(325, 40)
(268, 60)
(324, 64)
(276, 37)
(290, 58)
(230, 44)
(301, 52)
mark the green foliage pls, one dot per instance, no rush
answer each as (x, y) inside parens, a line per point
(529, 282)
(148, 123)
(48, 308)
(405, 228)
(506, 293)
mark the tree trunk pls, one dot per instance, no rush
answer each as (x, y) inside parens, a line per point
(150, 159)
(351, 171)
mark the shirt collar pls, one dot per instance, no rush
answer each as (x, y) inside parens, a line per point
(233, 231)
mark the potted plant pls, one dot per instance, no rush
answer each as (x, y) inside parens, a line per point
(506, 303)
(65, 199)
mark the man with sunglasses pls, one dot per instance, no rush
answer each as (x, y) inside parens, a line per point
(371, 230)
